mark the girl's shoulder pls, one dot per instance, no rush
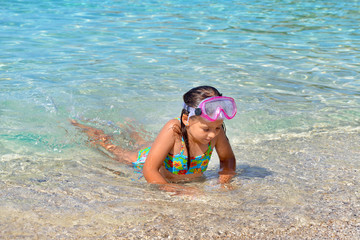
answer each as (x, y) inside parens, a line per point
(175, 121)
(174, 126)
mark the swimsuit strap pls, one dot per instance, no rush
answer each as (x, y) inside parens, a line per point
(207, 152)
(182, 149)
(209, 149)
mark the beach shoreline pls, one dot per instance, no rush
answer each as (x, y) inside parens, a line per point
(314, 195)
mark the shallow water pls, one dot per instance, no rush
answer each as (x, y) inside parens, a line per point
(292, 67)
(286, 187)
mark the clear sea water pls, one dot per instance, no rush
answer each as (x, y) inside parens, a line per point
(292, 66)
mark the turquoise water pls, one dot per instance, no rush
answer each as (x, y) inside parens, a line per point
(293, 68)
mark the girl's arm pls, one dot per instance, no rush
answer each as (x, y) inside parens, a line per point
(227, 158)
(162, 145)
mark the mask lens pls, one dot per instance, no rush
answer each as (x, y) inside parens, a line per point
(213, 108)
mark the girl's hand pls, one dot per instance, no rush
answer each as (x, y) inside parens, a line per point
(225, 178)
(180, 190)
(227, 186)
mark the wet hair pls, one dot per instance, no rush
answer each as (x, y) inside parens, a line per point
(193, 98)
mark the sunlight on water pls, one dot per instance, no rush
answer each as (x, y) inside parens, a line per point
(292, 67)
(294, 182)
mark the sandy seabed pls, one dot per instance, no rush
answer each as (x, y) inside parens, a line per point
(166, 226)
(298, 187)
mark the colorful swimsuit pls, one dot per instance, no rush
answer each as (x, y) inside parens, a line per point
(177, 164)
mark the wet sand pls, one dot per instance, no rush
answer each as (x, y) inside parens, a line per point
(288, 187)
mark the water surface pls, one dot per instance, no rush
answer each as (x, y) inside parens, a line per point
(293, 68)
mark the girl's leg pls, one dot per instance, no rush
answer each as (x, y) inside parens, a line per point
(139, 136)
(98, 137)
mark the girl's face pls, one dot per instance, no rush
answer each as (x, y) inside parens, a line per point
(203, 131)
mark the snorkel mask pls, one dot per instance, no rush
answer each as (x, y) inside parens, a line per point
(214, 108)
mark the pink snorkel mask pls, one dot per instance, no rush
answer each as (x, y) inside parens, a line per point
(214, 108)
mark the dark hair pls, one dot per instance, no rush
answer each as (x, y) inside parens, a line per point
(193, 98)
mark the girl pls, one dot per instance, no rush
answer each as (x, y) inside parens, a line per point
(182, 150)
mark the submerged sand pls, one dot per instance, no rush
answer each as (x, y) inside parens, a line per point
(303, 186)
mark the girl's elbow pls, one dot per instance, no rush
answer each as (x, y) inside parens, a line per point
(150, 174)
(146, 173)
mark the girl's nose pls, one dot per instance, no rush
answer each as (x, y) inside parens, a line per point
(211, 135)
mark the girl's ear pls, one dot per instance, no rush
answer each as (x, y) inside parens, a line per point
(185, 120)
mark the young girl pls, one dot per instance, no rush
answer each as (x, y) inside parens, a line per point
(182, 150)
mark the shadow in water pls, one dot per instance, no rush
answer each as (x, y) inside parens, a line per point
(247, 171)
